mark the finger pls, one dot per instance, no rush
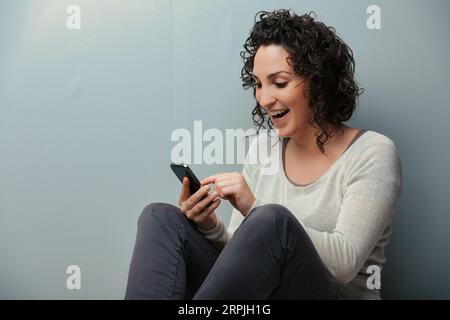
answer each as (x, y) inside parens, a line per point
(214, 178)
(224, 183)
(196, 197)
(213, 206)
(229, 191)
(184, 195)
(208, 180)
(201, 205)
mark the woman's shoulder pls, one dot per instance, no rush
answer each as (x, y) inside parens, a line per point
(375, 156)
(375, 147)
(374, 138)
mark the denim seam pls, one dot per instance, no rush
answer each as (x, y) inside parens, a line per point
(177, 266)
(277, 261)
(177, 262)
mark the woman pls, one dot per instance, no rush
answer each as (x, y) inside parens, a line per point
(316, 227)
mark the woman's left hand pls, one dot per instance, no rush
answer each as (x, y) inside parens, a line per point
(233, 187)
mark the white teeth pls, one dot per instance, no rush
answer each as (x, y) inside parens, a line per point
(278, 112)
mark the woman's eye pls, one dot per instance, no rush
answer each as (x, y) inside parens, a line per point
(279, 85)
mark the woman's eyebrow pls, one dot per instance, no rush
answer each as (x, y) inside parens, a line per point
(272, 74)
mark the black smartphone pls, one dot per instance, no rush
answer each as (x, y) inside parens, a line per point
(183, 170)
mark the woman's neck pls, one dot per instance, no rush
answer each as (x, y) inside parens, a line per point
(306, 145)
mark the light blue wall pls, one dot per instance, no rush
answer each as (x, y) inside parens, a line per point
(86, 117)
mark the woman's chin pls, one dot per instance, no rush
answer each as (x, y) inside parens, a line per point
(283, 132)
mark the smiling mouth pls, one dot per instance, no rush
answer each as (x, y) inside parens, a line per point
(279, 113)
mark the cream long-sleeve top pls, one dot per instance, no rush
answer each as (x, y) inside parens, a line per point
(347, 212)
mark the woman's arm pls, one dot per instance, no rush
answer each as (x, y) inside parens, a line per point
(369, 198)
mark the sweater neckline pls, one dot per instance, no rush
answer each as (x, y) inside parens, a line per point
(326, 173)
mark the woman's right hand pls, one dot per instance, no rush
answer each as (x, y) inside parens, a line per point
(196, 209)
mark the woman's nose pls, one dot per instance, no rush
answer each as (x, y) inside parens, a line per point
(266, 101)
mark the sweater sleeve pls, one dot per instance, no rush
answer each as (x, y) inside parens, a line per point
(217, 235)
(369, 195)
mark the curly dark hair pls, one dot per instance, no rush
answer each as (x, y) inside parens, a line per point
(319, 56)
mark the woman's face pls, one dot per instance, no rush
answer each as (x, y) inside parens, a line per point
(282, 92)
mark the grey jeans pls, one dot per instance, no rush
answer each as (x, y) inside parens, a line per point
(270, 256)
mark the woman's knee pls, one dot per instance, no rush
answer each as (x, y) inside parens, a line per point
(275, 222)
(270, 215)
(159, 212)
